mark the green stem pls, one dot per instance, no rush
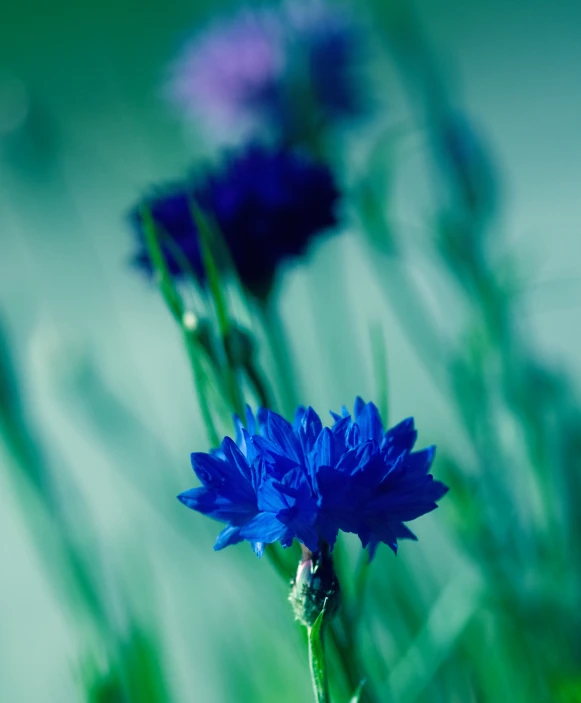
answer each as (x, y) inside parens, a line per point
(317, 662)
(222, 316)
(259, 384)
(175, 305)
(279, 349)
(361, 578)
(199, 382)
(353, 671)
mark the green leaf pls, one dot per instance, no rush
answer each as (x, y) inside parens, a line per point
(439, 635)
(207, 237)
(166, 285)
(357, 695)
(317, 660)
(131, 673)
(176, 306)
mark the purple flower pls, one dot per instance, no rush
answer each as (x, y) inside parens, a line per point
(227, 77)
(272, 72)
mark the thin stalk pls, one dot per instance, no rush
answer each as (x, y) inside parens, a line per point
(344, 644)
(317, 661)
(175, 305)
(221, 308)
(406, 302)
(361, 579)
(333, 313)
(44, 515)
(343, 629)
(199, 381)
(279, 350)
(259, 384)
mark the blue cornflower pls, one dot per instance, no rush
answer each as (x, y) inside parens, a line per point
(314, 481)
(379, 483)
(268, 203)
(266, 71)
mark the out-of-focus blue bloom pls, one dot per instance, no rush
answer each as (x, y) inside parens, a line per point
(268, 70)
(331, 44)
(171, 210)
(267, 204)
(314, 481)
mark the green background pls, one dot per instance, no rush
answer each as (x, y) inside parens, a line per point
(83, 131)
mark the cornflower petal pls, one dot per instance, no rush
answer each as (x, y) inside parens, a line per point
(299, 414)
(308, 429)
(211, 470)
(265, 527)
(258, 548)
(281, 434)
(229, 535)
(401, 437)
(369, 422)
(216, 506)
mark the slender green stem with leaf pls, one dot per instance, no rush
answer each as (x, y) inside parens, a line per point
(317, 660)
(277, 342)
(224, 324)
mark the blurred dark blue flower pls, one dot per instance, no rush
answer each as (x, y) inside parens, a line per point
(171, 210)
(268, 70)
(331, 46)
(267, 204)
(310, 482)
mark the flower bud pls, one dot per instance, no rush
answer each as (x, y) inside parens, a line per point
(315, 587)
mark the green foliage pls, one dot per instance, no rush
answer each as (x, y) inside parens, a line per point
(317, 660)
(134, 674)
(484, 608)
(357, 695)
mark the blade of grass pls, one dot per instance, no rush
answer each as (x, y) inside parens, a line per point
(317, 660)
(219, 299)
(175, 305)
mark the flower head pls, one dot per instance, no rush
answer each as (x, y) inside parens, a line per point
(265, 70)
(228, 77)
(314, 481)
(267, 204)
(171, 210)
(327, 37)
